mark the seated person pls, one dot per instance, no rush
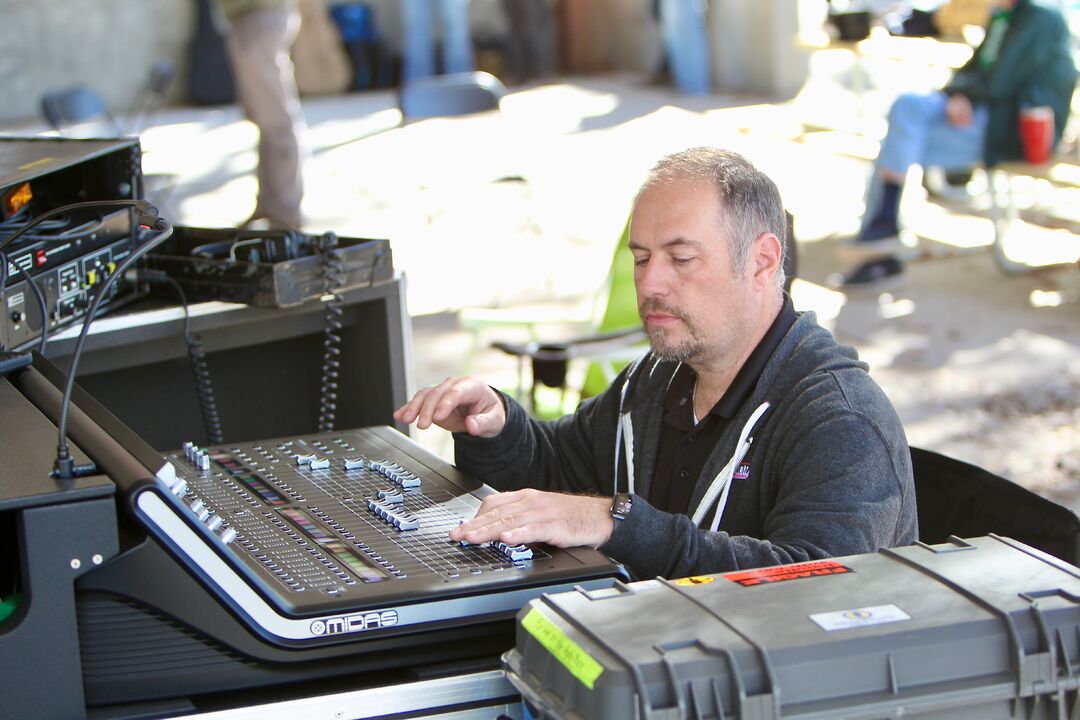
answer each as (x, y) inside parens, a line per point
(419, 38)
(745, 436)
(1025, 59)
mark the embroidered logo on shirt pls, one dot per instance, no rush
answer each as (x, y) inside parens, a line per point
(743, 471)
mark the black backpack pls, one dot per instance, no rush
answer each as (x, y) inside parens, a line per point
(210, 77)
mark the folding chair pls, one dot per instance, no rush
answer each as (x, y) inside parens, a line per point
(78, 111)
(956, 498)
(452, 94)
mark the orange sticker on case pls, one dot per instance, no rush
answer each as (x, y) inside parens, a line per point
(781, 573)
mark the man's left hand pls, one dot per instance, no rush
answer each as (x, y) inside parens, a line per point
(529, 516)
(959, 111)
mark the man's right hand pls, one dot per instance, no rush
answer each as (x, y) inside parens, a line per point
(457, 404)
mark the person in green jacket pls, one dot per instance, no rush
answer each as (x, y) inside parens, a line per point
(1024, 60)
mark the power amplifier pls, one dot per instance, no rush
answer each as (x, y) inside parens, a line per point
(48, 275)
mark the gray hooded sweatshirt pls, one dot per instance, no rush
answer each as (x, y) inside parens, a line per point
(815, 464)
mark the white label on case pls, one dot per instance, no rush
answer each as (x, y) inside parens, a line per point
(859, 617)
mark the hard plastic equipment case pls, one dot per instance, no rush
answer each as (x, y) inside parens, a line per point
(983, 628)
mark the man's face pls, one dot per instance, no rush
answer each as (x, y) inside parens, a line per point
(694, 308)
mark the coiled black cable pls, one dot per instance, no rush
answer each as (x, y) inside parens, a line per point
(200, 370)
(204, 388)
(333, 276)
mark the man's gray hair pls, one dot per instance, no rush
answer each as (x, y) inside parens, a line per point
(749, 198)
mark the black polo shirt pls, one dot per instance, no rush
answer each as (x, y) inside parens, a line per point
(684, 447)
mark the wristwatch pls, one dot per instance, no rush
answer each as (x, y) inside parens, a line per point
(621, 505)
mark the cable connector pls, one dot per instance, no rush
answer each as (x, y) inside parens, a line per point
(148, 215)
(12, 361)
(64, 466)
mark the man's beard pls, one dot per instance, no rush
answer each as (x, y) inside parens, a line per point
(685, 351)
(659, 340)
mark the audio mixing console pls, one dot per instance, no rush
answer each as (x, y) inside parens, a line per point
(286, 561)
(345, 533)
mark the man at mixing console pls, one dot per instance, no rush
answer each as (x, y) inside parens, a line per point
(745, 436)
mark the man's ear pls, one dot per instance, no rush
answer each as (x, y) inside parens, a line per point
(765, 256)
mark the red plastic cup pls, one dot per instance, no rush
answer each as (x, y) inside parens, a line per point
(1037, 133)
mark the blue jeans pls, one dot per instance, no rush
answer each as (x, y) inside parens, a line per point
(419, 37)
(686, 42)
(919, 134)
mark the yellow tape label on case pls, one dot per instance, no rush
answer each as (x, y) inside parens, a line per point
(580, 664)
(695, 580)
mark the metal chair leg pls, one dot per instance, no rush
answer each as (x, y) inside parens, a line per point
(1003, 217)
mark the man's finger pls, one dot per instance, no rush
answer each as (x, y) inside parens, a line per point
(497, 514)
(429, 408)
(410, 410)
(496, 500)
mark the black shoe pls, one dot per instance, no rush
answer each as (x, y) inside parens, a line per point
(874, 276)
(879, 229)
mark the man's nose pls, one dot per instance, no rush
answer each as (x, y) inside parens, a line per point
(652, 279)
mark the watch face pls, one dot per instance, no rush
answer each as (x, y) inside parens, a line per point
(621, 505)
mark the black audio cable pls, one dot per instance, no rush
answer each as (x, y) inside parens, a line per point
(204, 388)
(72, 207)
(3, 287)
(200, 371)
(64, 466)
(143, 207)
(41, 304)
(333, 276)
(16, 220)
(74, 233)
